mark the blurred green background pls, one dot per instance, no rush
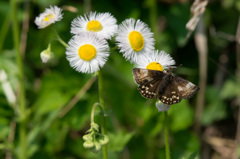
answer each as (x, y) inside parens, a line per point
(134, 125)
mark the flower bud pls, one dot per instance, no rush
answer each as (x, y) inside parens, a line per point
(88, 144)
(95, 126)
(162, 107)
(46, 55)
(96, 148)
(104, 139)
(87, 137)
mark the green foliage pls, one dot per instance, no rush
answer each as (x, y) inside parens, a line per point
(135, 127)
(231, 3)
(215, 104)
(119, 140)
(229, 89)
(193, 155)
(181, 116)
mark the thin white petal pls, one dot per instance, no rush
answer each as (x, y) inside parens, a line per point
(123, 43)
(107, 21)
(97, 62)
(161, 57)
(56, 15)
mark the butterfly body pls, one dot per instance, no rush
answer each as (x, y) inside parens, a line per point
(168, 88)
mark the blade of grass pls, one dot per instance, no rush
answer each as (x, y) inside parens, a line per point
(22, 131)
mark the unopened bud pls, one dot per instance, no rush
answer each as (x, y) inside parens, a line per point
(87, 137)
(88, 144)
(162, 107)
(96, 148)
(47, 54)
(95, 126)
(104, 139)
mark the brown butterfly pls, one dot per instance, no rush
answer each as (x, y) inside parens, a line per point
(163, 85)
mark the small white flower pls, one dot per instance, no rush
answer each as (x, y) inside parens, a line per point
(86, 53)
(47, 54)
(49, 16)
(155, 61)
(102, 24)
(162, 107)
(134, 39)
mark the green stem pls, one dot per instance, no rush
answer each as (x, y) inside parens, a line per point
(166, 136)
(59, 38)
(153, 17)
(100, 87)
(93, 110)
(4, 30)
(23, 154)
(112, 49)
(87, 5)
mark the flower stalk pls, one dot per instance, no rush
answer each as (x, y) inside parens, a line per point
(100, 87)
(93, 110)
(60, 39)
(167, 149)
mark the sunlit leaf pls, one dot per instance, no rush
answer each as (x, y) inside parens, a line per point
(119, 140)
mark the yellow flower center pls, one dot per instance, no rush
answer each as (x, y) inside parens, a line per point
(48, 18)
(94, 25)
(87, 52)
(155, 66)
(136, 40)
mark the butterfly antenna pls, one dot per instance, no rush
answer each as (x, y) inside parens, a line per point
(173, 69)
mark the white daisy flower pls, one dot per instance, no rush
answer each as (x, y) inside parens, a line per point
(134, 39)
(49, 16)
(47, 54)
(102, 24)
(86, 53)
(155, 61)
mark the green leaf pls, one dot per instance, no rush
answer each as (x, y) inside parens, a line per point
(50, 101)
(119, 140)
(180, 116)
(238, 5)
(178, 16)
(229, 89)
(210, 115)
(227, 3)
(214, 104)
(193, 155)
(185, 142)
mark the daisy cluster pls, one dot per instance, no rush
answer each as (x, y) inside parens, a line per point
(88, 49)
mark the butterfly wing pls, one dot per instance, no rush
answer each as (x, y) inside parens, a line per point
(186, 88)
(142, 76)
(149, 89)
(178, 89)
(169, 89)
(149, 81)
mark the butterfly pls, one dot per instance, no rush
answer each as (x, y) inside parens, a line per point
(168, 88)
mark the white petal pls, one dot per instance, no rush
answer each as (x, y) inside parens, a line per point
(107, 21)
(123, 43)
(55, 14)
(161, 57)
(97, 62)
